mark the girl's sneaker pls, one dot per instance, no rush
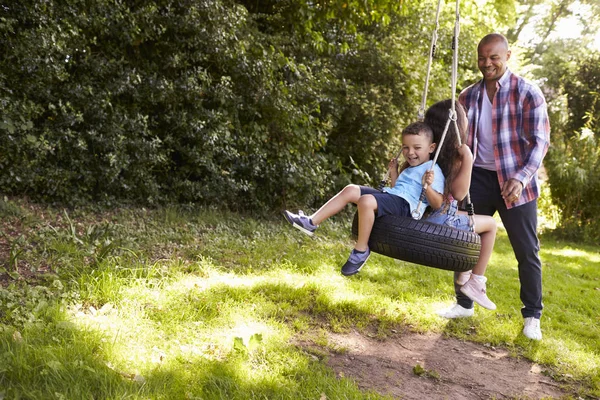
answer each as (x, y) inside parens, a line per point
(463, 277)
(300, 221)
(475, 290)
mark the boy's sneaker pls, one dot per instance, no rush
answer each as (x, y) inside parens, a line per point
(456, 311)
(531, 328)
(475, 290)
(300, 221)
(355, 262)
(463, 278)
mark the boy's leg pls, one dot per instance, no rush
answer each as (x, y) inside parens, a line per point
(300, 222)
(367, 206)
(308, 224)
(349, 194)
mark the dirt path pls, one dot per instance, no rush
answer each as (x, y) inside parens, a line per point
(451, 369)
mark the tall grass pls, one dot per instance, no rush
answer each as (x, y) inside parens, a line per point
(210, 304)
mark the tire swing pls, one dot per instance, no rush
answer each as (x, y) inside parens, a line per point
(421, 242)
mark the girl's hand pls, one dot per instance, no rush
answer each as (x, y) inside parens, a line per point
(428, 178)
(393, 165)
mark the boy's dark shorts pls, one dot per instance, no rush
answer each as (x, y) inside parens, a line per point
(387, 203)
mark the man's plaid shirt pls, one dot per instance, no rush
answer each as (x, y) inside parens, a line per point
(521, 130)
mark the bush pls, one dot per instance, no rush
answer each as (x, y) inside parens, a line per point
(573, 160)
(250, 106)
(575, 186)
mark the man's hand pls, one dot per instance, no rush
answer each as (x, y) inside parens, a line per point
(511, 191)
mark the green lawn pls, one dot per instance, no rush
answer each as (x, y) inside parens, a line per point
(204, 304)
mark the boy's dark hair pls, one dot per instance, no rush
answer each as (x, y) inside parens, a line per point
(436, 117)
(419, 128)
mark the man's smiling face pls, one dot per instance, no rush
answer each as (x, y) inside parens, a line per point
(492, 58)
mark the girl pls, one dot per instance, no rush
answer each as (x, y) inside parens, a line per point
(456, 163)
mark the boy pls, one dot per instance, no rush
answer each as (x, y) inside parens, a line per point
(401, 199)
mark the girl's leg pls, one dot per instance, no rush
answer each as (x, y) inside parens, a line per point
(349, 194)
(475, 287)
(367, 206)
(485, 226)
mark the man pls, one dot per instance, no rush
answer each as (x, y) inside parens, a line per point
(509, 134)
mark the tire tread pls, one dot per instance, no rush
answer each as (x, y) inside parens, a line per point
(423, 242)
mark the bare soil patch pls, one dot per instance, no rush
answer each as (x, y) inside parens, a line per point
(431, 366)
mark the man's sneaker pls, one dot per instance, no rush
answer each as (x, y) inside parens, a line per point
(300, 221)
(463, 277)
(456, 311)
(475, 290)
(531, 328)
(355, 262)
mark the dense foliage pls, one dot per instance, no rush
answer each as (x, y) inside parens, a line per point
(573, 161)
(203, 101)
(258, 105)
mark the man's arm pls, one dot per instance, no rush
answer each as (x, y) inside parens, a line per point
(536, 130)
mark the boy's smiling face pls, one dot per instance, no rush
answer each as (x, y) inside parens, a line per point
(416, 149)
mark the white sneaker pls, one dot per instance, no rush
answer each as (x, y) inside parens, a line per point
(476, 291)
(456, 311)
(531, 328)
(463, 277)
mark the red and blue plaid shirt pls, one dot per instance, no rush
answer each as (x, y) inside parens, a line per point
(521, 130)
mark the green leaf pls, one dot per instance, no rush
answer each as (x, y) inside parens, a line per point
(238, 344)
(255, 341)
(419, 370)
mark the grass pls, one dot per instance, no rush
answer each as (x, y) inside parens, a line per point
(207, 304)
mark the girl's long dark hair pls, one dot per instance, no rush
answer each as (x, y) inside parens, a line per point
(436, 117)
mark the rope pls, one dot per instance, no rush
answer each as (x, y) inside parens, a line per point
(470, 208)
(416, 213)
(452, 117)
(421, 112)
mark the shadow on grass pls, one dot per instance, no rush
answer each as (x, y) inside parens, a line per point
(58, 360)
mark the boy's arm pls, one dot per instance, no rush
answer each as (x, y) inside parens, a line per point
(434, 198)
(462, 181)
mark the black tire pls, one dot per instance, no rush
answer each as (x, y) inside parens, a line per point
(423, 242)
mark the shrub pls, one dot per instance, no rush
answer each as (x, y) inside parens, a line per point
(249, 106)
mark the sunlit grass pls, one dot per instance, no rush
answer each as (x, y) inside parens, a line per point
(192, 319)
(209, 305)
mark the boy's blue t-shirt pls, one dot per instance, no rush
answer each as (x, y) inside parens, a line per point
(409, 184)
